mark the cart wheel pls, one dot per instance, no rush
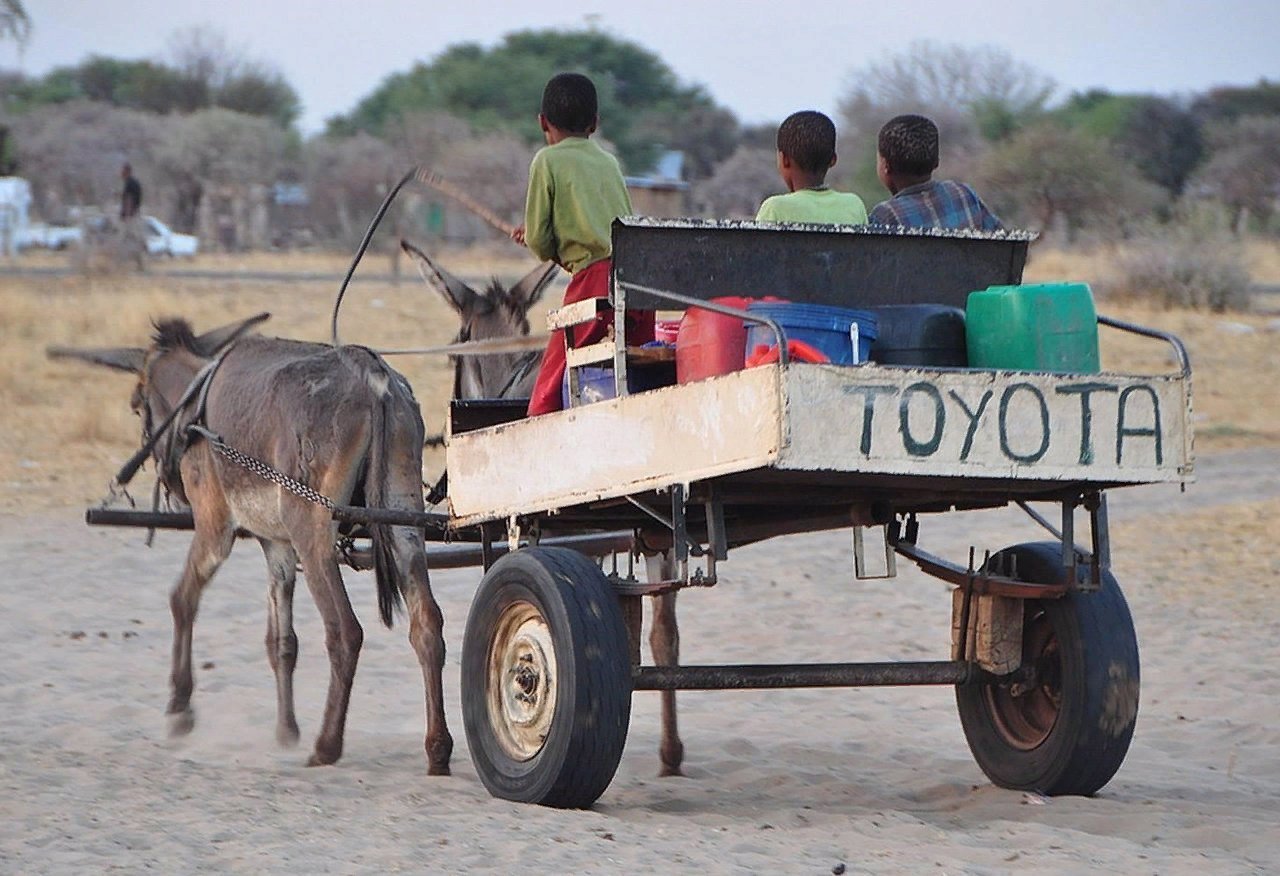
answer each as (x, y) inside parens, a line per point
(546, 679)
(1066, 730)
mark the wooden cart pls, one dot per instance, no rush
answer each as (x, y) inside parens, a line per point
(1044, 658)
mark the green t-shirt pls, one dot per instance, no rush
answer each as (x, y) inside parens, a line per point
(814, 205)
(575, 192)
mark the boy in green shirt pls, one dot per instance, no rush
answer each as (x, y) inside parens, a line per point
(576, 190)
(806, 151)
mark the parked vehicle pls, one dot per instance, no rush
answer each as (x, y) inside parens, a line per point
(40, 234)
(162, 240)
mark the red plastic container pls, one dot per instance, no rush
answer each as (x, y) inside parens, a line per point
(709, 344)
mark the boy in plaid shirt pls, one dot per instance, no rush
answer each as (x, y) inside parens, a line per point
(907, 155)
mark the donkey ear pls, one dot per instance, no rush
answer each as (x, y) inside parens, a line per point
(533, 284)
(129, 359)
(211, 342)
(456, 293)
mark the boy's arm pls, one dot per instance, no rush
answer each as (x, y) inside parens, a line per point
(539, 234)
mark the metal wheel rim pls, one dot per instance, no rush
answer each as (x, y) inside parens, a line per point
(1025, 718)
(521, 681)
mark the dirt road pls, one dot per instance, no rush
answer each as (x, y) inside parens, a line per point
(796, 781)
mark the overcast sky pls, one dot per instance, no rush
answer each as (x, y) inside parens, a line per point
(761, 58)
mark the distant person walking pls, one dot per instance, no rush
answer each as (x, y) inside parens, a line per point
(131, 197)
(134, 246)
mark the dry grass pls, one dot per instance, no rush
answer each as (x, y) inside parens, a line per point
(66, 427)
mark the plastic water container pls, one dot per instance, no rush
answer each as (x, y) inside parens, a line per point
(929, 335)
(710, 344)
(1041, 327)
(844, 336)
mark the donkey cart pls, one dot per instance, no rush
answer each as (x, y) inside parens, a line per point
(1044, 657)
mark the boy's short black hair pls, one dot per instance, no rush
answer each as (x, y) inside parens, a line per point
(808, 138)
(569, 102)
(909, 144)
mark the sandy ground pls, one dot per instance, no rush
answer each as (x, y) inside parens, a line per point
(879, 780)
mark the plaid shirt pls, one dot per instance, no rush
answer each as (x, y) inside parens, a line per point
(935, 204)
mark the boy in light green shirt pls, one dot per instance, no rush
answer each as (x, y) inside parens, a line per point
(806, 151)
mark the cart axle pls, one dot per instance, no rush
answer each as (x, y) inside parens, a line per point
(748, 677)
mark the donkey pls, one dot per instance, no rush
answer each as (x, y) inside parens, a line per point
(338, 420)
(500, 313)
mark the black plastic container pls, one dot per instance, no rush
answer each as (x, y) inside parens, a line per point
(920, 334)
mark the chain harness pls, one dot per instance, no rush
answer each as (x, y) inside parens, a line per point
(262, 470)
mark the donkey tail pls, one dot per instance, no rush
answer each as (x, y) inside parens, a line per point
(386, 570)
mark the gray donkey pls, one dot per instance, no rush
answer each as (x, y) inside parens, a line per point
(498, 313)
(338, 420)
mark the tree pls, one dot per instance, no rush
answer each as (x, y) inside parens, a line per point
(15, 24)
(1161, 139)
(499, 89)
(1046, 174)
(72, 152)
(705, 133)
(974, 96)
(216, 149)
(1229, 103)
(982, 85)
(347, 178)
(258, 90)
(739, 184)
(1243, 170)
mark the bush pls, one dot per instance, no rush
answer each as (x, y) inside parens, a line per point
(1185, 267)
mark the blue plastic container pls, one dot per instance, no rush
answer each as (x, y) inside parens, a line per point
(828, 329)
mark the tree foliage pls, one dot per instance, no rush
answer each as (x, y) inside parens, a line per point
(74, 151)
(1159, 137)
(1244, 168)
(206, 74)
(1046, 174)
(985, 85)
(15, 23)
(739, 184)
(499, 89)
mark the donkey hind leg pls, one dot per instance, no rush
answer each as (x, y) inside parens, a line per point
(343, 635)
(664, 642)
(426, 635)
(281, 641)
(210, 546)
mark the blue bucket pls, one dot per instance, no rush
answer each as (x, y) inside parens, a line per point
(829, 329)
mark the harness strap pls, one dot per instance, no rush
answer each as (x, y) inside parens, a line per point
(199, 385)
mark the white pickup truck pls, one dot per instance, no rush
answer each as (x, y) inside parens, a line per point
(45, 236)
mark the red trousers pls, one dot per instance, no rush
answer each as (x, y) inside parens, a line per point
(591, 282)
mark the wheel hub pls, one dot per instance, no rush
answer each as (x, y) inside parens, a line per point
(522, 681)
(1026, 711)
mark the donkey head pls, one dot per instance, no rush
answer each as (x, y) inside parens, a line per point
(497, 313)
(164, 371)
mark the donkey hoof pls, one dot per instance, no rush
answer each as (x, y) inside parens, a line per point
(323, 758)
(181, 723)
(287, 735)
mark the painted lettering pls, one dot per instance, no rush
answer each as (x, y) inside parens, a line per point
(974, 417)
(1005, 398)
(909, 442)
(1085, 390)
(1123, 431)
(868, 393)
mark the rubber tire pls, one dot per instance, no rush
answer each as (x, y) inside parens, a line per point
(592, 711)
(1099, 682)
